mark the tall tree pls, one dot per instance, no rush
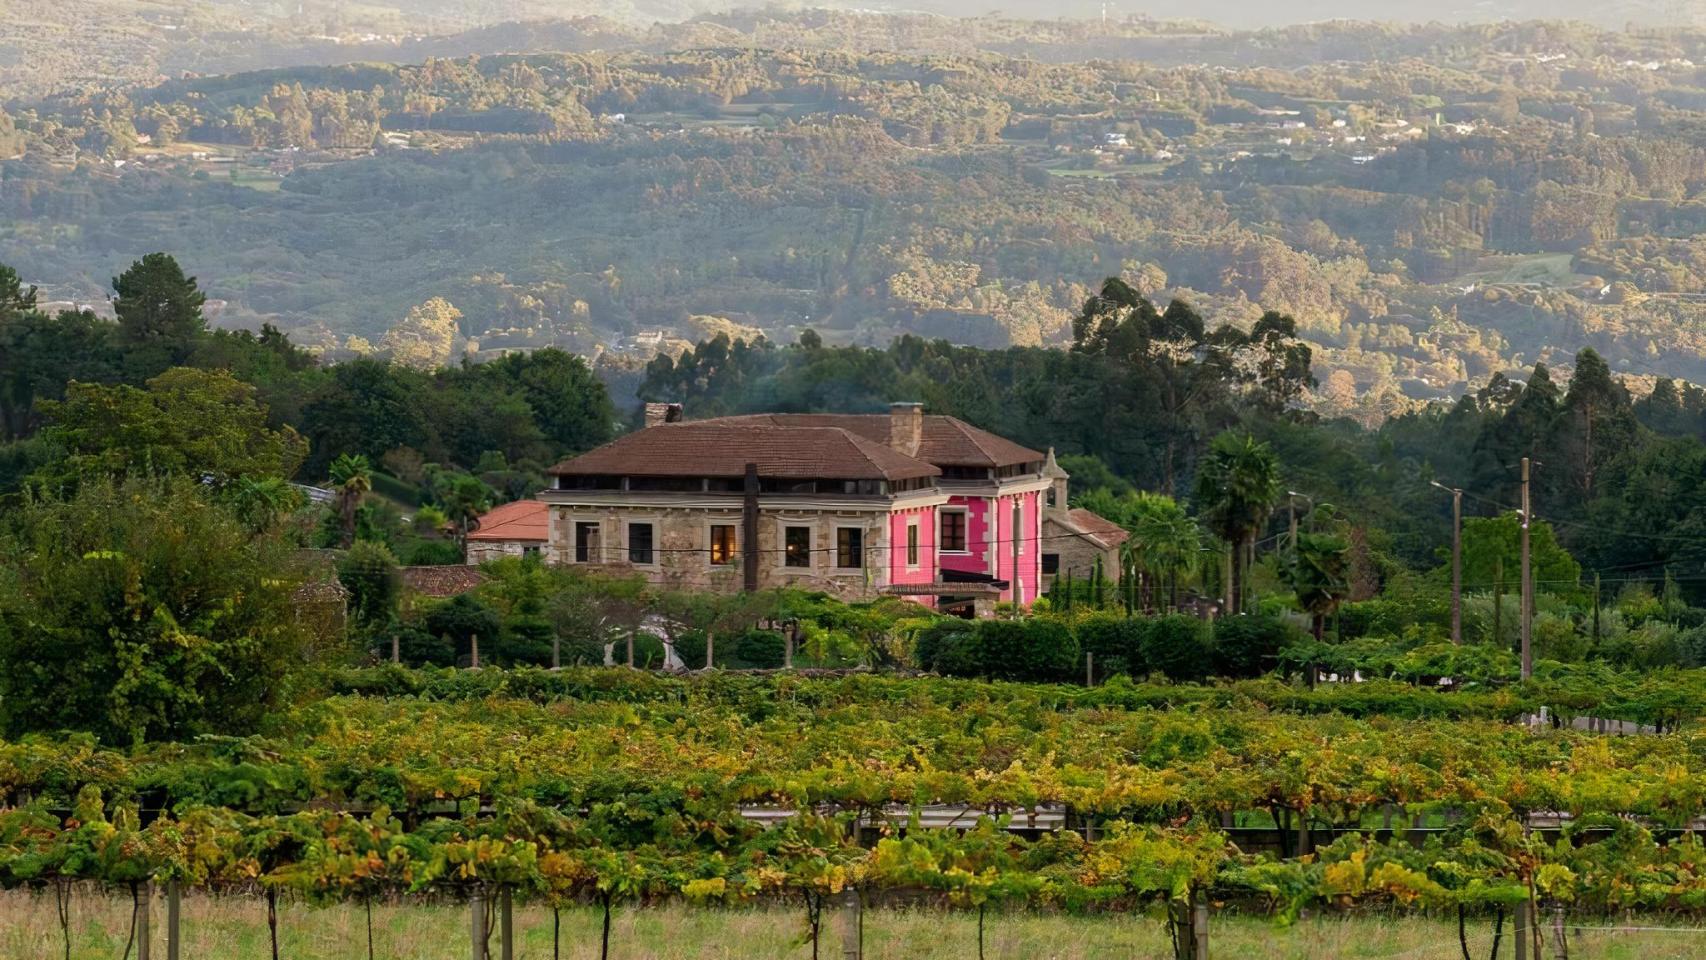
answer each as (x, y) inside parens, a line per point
(1318, 571)
(1238, 486)
(159, 314)
(1597, 425)
(143, 609)
(199, 423)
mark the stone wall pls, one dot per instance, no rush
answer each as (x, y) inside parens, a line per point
(682, 539)
(1077, 553)
(480, 551)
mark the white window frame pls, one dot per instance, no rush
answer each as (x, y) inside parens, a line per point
(965, 529)
(914, 545)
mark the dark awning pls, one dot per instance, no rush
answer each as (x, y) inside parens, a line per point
(963, 576)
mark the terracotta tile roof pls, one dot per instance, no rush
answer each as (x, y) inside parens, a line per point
(521, 520)
(946, 441)
(448, 580)
(723, 448)
(1098, 526)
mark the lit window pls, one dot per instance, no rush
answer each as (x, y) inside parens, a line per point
(722, 544)
(797, 547)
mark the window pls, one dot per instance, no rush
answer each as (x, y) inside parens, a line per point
(530, 550)
(849, 548)
(722, 544)
(953, 539)
(586, 542)
(640, 543)
(797, 546)
(912, 544)
(1051, 563)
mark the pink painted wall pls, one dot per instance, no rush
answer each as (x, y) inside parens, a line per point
(977, 537)
(989, 523)
(1030, 559)
(898, 569)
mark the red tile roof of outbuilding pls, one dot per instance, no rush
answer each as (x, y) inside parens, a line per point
(521, 520)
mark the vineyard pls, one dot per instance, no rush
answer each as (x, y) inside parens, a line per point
(613, 787)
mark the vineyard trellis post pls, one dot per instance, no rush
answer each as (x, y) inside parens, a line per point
(1560, 941)
(144, 894)
(1520, 931)
(506, 926)
(476, 925)
(173, 905)
(1089, 668)
(852, 925)
(1199, 927)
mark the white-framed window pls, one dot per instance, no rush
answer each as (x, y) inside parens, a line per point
(952, 535)
(850, 548)
(912, 544)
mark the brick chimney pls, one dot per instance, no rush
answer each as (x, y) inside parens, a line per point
(906, 427)
(662, 413)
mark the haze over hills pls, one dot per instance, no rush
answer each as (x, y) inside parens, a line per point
(1433, 204)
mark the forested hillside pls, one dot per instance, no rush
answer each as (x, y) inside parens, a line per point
(1433, 205)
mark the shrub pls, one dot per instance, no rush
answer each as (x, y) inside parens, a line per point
(1250, 646)
(1116, 642)
(758, 650)
(369, 572)
(419, 647)
(462, 618)
(948, 646)
(523, 641)
(1178, 646)
(1036, 649)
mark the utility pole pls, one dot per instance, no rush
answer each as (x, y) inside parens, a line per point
(1527, 582)
(1456, 561)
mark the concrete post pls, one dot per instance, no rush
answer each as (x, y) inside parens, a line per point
(172, 911)
(852, 926)
(1199, 928)
(477, 925)
(144, 896)
(506, 926)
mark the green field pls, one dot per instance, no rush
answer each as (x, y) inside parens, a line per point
(234, 928)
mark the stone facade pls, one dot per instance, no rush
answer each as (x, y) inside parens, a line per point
(1074, 552)
(480, 551)
(682, 544)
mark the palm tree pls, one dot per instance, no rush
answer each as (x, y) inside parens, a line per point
(1237, 488)
(260, 503)
(463, 500)
(1319, 572)
(1165, 542)
(352, 478)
